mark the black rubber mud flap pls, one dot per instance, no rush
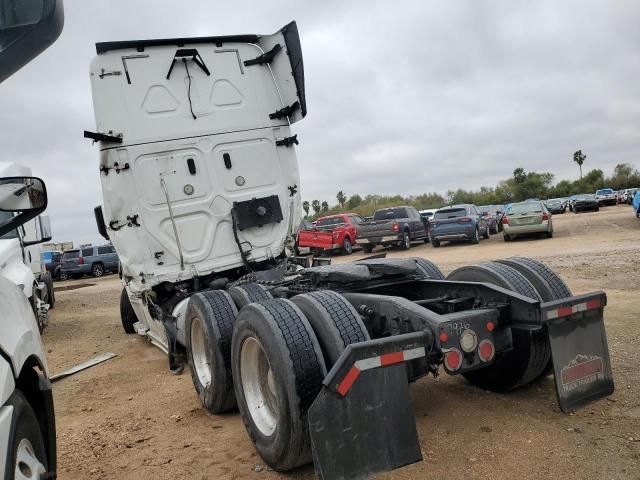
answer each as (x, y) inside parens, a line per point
(579, 349)
(361, 422)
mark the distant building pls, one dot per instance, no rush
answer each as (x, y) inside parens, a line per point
(57, 247)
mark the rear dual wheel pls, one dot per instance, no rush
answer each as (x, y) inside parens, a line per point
(531, 350)
(281, 351)
(278, 370)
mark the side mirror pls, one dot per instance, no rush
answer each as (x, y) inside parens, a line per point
(26, 29)
(102, 228)
(42, 232)
(26, 196)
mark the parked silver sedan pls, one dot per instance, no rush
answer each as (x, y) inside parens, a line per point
(525, 218)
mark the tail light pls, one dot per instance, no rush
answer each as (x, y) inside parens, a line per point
(396, 227)
(453, 359)
(81, 261)
(545, 216)
(465, 220)
(486, 350)
(505, 220)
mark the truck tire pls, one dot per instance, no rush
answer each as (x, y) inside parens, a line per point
(429, 268)
(347, 248)
(26, 453)
(51, 296)
(243, 295)
(63, 275)
(97, 270)
(405, 243)
(334, 321)
(368, 248)
(211, 315)
(486, 233)
(435, 243)
(127, 315)
(531, 350)
(548, 284)
(277, 371)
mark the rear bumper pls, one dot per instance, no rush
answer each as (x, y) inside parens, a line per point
(379, 240)
(586, 207)
(451, 236)
(522, 229)
(77, 269)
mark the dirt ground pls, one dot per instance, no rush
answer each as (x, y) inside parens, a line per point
(130, 418)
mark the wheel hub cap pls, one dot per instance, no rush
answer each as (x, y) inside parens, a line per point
(259, 386)
(199, 347)
(27, 464)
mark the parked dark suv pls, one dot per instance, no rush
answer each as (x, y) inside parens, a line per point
(459, 223)
(89, 260)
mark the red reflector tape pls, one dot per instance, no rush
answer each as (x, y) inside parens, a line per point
(391, 358)
(348, 380)
(578, 307)
(370, 363)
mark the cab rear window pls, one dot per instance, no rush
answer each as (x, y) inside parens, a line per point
(389, 213)
(450, 213)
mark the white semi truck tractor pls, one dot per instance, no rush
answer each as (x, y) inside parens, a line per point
(27, 418)
(201, 199)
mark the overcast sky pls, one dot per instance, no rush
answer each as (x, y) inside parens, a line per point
(403, 97)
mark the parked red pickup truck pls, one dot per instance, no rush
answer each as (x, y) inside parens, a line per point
(332, 233)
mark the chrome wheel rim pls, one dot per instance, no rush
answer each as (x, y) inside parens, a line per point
(27, 464)
(98, 271)
(199, 357)
(259, 386)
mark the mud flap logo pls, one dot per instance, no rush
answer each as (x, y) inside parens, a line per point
(581, 371)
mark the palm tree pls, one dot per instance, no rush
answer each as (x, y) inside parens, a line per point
(325, 206)
(316, 206)
(579, 158)
(342, 198)
(305, 207)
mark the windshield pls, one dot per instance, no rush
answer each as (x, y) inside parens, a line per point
(585, 197)
(4, 217)
(389, 213)
(450, 213)
(604, 191)
(529, 207)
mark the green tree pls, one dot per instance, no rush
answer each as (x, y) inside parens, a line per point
(342, 198)
(518, 175)
(325, 207)
(305, 207)
(354, 201)
(579, 158)
(316, 206)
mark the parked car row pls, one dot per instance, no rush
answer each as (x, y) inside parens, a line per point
(400, 226)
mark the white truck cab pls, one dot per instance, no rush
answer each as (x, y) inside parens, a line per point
(27, 420)
(20, 255)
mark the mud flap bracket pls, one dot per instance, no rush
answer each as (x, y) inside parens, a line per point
(362, 422)
(581, 363)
